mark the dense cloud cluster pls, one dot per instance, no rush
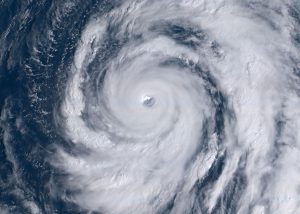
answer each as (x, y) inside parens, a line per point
(170, 106)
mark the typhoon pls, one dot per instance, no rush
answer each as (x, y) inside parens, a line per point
(152, 107)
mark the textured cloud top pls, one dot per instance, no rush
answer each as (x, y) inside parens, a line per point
(186, 105)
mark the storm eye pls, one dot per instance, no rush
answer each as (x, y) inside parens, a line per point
(148, 101)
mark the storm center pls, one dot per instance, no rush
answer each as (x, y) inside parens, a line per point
(148, 101)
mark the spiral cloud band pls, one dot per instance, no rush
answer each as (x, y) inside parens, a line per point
(184, 107)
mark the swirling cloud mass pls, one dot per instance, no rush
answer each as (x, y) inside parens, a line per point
(180, 107)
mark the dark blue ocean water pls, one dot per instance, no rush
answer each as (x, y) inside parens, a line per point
(37, 39)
